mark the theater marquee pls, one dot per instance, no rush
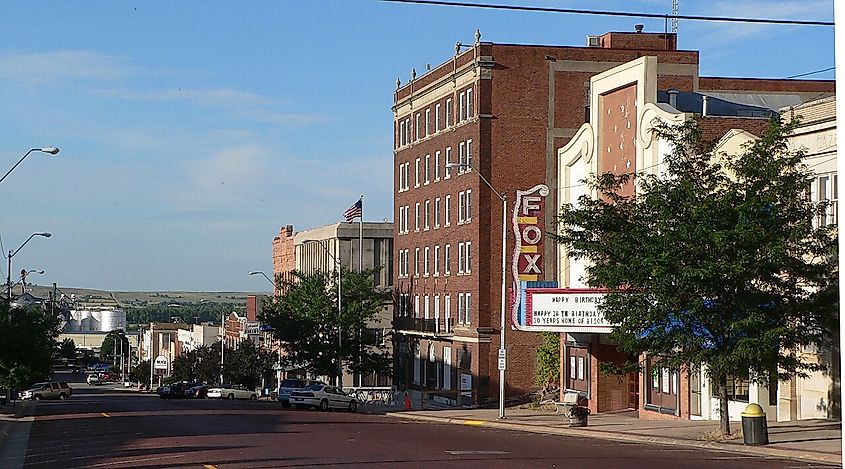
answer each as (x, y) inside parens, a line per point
(565, 310)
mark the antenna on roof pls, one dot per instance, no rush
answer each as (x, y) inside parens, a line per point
(675, 16)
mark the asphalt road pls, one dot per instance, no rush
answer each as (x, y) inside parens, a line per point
(103, 428)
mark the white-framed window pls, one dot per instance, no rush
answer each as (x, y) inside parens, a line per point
(427, 168)
(417, 172)
(468, 210)
(447, 259)
(436, 306)
(437, 260)
(405, 168)
(417, 216)
(425, 261)
(437, 117)
(468, 257)
(449, 111)
(425, 307)
(461, 258)
(468, 161)
(427, 122)
(399, 265)
(461, 307)
(447, 310)
(437, 212)
(462, 106)
(462, 200)
(416, 306)
(417, 262)
(824, 188)
(469, 103)
(448, 172)
(418, 133)
(407, 261)
(468, 308)
(462, 157)
(437, 165)
(427, 212)
(401, 133)
(399, 217)
(447, 210)
(407, 130)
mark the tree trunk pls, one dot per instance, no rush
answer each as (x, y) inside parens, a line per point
(724, 415)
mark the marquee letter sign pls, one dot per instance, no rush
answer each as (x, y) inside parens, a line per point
(528, 226)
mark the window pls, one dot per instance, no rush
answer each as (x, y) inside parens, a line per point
(468, 309)
(462, 157)
(417, 173)
(462, 200)
(468, 212)
(825, 190)
(407, 130)
(461, 307)
(417, 217)
(449, 120)
(447, 259)
(737, 386)
(448, 160)
(407, 255)
(461, 258)
(447, 310)
(437, 165)
(417, 262)
(436, 306)
(425, 261)
(437, 117)
(418, 128)
(403, 176)
(469, 103)
(416, 306)
(401, 266)
(437, 212)
(468, 257)
(447, 202)
(427, 168)
(462, 106)
(401, 133)
(425, 307)
(468, 166)
(427, 212)
(437, 260)
(427, 122)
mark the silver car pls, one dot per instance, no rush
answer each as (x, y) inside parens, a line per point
(323, 397)
(48, 390)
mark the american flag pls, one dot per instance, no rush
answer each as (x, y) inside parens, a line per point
(355, 211)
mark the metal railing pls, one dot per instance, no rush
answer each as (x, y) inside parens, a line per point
(443, 325)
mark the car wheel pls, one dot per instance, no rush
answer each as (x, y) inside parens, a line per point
(231, 397)
(253, 397)
(353, 406)
(62, 396)
(324, 405)
(286, 405)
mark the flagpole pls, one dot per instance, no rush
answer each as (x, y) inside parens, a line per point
(361, 237)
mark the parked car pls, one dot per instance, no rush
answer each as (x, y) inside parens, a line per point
(292, 384)
(197, 392)
(227, 391)
(48, 390)
(323, 397)
(175, 390)
(94, 379)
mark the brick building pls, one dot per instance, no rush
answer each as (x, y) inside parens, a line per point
(502, 110)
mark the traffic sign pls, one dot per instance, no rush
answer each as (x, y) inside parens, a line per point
(503, 359)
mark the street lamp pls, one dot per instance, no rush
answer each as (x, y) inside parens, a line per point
(258, 272)
(502, 349)
(12, 254)
(24, 274)
(339, 310)
(47, 150)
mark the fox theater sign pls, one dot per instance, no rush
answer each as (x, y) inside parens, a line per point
(528, 224)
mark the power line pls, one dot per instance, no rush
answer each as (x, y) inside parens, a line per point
(810, 73)
(725, 19)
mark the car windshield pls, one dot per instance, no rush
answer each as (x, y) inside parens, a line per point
(314, 387)
(292, 383)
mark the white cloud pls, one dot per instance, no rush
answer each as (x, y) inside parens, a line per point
(61, 66)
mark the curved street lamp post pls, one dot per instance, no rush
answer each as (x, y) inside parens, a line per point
(12, 254)
(47, 150)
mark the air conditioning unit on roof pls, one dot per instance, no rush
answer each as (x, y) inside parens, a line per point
(593, 41)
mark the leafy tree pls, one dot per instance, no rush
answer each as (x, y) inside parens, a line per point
(716, 262)
(111, 347)
(306, 320)
(548, 359)
(189, 312)
(141, 372)
(247, 364)
(201, 364)
(28, 338)
(67, 349)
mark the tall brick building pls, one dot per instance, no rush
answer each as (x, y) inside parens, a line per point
(502, 110)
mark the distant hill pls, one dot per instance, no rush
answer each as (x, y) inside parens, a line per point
(93, 297)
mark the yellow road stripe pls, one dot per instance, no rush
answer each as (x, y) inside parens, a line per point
(474, 423)
(209, 466)
(105, 414)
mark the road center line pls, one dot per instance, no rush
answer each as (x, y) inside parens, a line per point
(105, 414)
(209, 466)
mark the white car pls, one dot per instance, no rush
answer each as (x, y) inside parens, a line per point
(231, 392)
(323, 397)
(94, 379)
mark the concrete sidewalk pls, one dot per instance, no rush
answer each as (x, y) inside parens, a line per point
(809, 440)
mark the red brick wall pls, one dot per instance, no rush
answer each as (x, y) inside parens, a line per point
(765, 84)
(284, 252)
(648, 41)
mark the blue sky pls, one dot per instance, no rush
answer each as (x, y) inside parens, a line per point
(191, 131)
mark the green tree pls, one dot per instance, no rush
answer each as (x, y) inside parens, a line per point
(141, 372)
(111, 347)
(28, 338)
(247, 364)
(201, 364)
(716, 262)
(67, 349)
(306, 320)
(548, 359)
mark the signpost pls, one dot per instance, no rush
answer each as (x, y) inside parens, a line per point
(160, 363)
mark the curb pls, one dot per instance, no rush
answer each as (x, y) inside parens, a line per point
(628, 438)
(8, 425)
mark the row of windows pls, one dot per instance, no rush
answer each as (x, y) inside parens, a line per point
(428, 169)
(429, 307)
(427, 260)
(436, 118)
(428, 214)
